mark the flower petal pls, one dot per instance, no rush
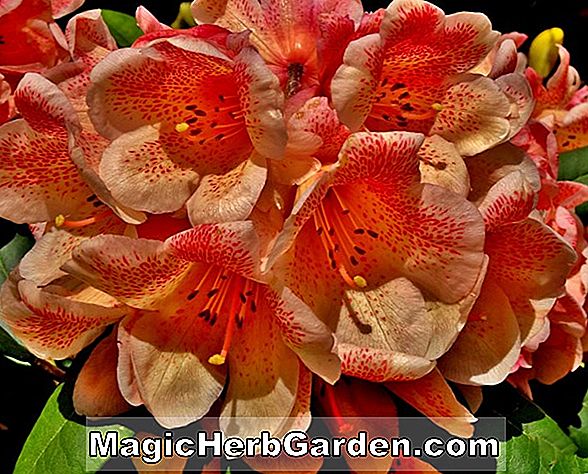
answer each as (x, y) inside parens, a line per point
(35, 149)
(60, 8)
(381, 365)
(475, 115)
(510, 200)
(305, 334)
(96, 391)
(52, 326)
(140, 173)
(432, 396)
(229, 197)
(489, 345)
(528, 258)
(232, 245)
(263, 378)
(390, 318)
(441, 164)
(136, 271)
(169, 357)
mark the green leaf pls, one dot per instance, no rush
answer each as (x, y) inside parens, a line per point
(123, 27)
(10, 255)
(573, 164)
(538, 444)
(580, 435)
(58, 440)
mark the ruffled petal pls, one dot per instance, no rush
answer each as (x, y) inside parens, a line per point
(169, 356)
(138, 171)
(441, 164)
(305, 334)
(136, 271)
(229, 197)
(53, 326)
(528, 258)
(234, 246)
(35, 149)
(475, 115)
(510, 200)
(61, 8)
(489, 345)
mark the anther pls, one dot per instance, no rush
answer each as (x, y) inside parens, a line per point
(182, 127)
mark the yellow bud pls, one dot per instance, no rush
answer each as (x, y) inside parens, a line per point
(543, 52)
(217, 359)
(360, 281)
(182, 127)
(59, 220)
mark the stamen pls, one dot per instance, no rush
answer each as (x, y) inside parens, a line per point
(338, 230)
(240, 291)
(61, 221)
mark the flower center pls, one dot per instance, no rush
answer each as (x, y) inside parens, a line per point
(295, 73)
(223, 121)
(225, 294)
(337, 227)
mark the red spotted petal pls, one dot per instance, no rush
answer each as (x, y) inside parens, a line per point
(230, 197)
(385, 79)
(35, 149)
(234, 246)
(136, 271)
(528, 258)
(433, 397)
(61, 8)
(475, 115)
(52, 326)
(510, 200)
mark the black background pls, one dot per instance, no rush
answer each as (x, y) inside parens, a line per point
(24, 390)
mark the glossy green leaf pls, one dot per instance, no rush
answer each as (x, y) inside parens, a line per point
(580, 435)
(10, 255)
(573, 164)
(123, 27)
(58, 440)
(538, 445)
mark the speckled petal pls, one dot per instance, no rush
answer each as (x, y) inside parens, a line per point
(53, 326)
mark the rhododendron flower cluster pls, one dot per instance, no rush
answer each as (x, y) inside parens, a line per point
(289, 194)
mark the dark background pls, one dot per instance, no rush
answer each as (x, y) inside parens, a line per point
(24, 390)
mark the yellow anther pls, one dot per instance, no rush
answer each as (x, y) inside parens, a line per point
(182, 127)
(59, 220)
(360, 281)
(217, 359)
(437, 107)
(543, 52)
